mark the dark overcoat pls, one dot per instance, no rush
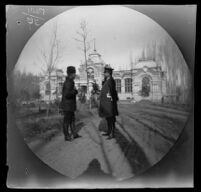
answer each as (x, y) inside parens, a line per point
(108, 99)
(68, 102)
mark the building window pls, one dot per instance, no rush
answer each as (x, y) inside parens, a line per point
(90, 73)
(162, 74)
(128, 85)
(60, 88)
(118, 85)
(59, 78)
(156, 88)
(145, 87)
(47, 90)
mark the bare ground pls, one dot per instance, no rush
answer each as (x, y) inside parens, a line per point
(143, 136)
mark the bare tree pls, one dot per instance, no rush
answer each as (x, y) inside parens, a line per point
(51, 57)
(83, 39)
(150, 50)
(131, 67)
(165, 52)
(143, 57)
(178, 76)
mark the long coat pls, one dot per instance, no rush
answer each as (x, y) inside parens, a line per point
(108, 99)
(68, 102)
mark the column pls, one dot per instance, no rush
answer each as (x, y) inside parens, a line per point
(123, 86)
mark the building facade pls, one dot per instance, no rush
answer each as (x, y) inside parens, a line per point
(51, 88)
(146, 80)
(95, 69)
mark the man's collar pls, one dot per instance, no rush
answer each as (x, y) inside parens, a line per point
(67, 77)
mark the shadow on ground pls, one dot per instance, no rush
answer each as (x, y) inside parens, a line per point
(79, 126)
(134, 154)
(102, 125)
(94, 170)
(132, 151)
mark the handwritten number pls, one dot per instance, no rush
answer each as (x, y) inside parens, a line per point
(43, 11)
(36, 21)
(30, 20)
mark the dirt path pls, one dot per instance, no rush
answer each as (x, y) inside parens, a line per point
(141, 140)
(73, 158)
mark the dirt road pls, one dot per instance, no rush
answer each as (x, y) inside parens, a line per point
(144, 134)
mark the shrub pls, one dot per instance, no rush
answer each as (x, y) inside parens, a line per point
(32, 128)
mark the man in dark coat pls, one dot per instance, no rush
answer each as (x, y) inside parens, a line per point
(108, 101)
(68, 104)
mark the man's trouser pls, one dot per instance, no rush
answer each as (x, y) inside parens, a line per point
(69, 122)
(111, 125)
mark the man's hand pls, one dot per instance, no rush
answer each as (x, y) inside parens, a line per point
(109, 96)
(76, 91)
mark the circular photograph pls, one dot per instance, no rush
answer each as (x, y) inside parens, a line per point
(101, 90)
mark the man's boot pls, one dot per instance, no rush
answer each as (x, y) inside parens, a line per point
(108, 129)
(75, 134)
(107, 133)
(113, 129)
(111, 135)
(66, 132)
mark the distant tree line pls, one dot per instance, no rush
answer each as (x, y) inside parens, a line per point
(166, 53)
(26, 86)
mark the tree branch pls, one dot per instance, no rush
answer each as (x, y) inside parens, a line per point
(44, 71)
(80, 48)
(80, 34)
(57, 53)
(88, 47)
(44, 56)
(78, 40)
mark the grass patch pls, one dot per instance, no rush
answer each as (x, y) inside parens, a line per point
(43, 128)
(37, 125)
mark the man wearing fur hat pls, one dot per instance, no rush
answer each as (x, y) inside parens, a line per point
(68, 104)
(108, 101)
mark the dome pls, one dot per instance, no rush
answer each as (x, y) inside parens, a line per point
(95, 57)
(149, 64)
(57, 72)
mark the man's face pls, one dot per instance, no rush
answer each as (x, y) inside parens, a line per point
(72, 75)
(107, 74)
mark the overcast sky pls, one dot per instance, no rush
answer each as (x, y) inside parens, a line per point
(118, 31)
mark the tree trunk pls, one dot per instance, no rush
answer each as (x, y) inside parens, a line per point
(89, 100)
(48, 109)
(39, 109)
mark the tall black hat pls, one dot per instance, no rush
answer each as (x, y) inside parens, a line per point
(71, 69)
(108, 68)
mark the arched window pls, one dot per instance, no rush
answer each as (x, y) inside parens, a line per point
(118, 85)
(145, 86)
(47, 88)
(90, 73)
(128, 85)
(60, 87)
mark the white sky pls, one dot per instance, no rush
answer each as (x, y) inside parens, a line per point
(118, 31)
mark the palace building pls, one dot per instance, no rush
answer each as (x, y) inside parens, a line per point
(146, 80)
(53, 86)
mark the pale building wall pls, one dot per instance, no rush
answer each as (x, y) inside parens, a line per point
(54, 82)
(157, 83)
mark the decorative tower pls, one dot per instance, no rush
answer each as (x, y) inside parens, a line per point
(95, 68)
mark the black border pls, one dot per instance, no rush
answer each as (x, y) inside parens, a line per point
(160, 2)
